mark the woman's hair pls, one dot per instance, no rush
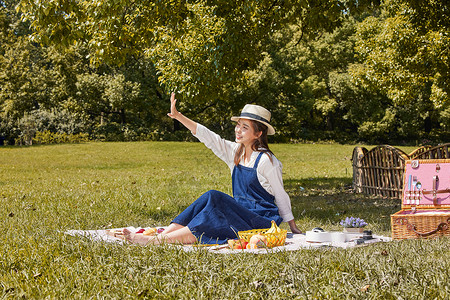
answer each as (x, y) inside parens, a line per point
(261, 144)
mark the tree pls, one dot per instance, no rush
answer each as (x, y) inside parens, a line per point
(307, 85)
(405, 54)
(198, 47)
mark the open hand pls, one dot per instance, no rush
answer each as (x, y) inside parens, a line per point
(173, 109)
(293, 226)
(175, 114)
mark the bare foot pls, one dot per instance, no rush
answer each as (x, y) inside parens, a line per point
(134, 238)
(179, 235)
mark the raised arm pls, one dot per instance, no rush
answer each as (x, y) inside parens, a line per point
(175, 114)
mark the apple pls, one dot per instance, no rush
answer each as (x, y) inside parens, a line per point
(240, 244)
(237, 244)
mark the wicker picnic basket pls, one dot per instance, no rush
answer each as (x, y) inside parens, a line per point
(425, 209)
(273, 239)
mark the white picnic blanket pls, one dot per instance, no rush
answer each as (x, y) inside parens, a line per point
(293, 242)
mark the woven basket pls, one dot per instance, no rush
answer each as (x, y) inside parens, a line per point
(273, 239)
(409, 226)
(431, 216)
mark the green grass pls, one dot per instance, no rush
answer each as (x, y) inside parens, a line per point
(45, 190)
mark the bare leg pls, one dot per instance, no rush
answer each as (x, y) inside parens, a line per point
(172, 227)
(182, 235)
(177, 234)
(144, 239)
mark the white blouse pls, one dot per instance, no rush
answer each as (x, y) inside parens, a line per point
(269, 173)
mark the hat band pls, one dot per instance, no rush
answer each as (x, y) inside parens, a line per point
(256, 117)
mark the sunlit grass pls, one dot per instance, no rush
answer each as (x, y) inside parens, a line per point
(46, 190)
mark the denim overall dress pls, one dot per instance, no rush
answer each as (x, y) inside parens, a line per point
(216, 217)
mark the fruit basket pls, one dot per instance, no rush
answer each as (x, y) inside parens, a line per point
(275, 235)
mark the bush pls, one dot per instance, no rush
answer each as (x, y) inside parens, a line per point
(48, 137)
(45, 127)
(115, 132)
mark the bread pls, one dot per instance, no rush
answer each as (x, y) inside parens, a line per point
(150, 231)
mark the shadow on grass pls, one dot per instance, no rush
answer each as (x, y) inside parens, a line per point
(329, 200)
(160, 216)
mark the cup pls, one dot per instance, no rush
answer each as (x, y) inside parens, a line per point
(338, 237)
(318, 237)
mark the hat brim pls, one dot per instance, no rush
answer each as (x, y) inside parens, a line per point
(270, 129)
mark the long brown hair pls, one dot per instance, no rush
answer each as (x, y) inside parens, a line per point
(260, 144)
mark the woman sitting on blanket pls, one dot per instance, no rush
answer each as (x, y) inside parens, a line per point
(258, 193)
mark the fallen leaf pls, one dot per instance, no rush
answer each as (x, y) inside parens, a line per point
(365, 288)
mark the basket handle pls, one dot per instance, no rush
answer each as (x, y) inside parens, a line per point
(425, 192)
(441, 227)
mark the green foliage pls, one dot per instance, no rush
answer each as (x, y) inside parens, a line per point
(308, 80)
(407, 60)
(198, 47)
(328, 70)
(47, 137)
(35, 78)
(430, 15)
(55, 121)
(47, 127)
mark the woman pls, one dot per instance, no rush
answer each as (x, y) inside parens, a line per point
(258, 193)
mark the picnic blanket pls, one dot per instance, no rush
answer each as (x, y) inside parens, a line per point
(293, 242)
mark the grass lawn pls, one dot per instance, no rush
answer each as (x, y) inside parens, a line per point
(45, 190)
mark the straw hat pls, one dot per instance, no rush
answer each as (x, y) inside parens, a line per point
(256, 113)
